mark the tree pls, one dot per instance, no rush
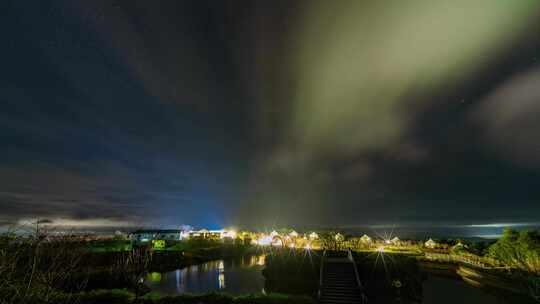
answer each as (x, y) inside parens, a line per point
(518, 249)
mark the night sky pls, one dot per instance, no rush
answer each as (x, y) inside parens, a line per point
(269, 113)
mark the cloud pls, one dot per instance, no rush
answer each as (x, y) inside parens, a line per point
(508, 118)
(359, 75)
(80, 223)
(356, 73)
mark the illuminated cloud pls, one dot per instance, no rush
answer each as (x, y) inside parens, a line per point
(361, 76)
(509, 120)
(65, 223)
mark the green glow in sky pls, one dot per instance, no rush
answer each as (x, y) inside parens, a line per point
(359, 64)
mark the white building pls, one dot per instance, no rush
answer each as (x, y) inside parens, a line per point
(365, 239)
(430, 244)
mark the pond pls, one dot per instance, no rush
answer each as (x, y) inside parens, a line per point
(244, 275)
(234, 276)
(442, 290)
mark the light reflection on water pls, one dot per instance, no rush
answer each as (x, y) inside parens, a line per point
(243, 275)
(234, 276)
(456, 291)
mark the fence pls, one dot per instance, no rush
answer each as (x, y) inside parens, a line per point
(467, 259)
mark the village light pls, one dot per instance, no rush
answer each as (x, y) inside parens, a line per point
(264, 240)
(277, 243)
(184, 235)
(229, 234)
(380, 249)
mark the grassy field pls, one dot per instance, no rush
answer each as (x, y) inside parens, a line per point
(117, 245)
(123, 296)
(110, 246)
(35, 270)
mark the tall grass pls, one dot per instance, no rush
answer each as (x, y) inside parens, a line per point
(41, 267)
(34, 268)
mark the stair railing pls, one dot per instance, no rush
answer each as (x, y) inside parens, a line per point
(357, 276)
(321, 271)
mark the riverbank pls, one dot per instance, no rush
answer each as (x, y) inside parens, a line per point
(503, 284)
(296, 271)
(123, 269)
(79, 268)
(174, 255)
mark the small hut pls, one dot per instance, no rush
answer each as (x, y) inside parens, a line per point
(365, 239)
(430, 244)
(459, 247)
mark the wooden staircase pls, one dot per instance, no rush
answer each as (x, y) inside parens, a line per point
(339, 280)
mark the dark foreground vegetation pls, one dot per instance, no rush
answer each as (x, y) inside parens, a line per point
(123, 296)
(63, 270)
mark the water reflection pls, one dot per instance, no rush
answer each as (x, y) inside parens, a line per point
(456, 291)
(243, 275)
(221, 278)
(235, 276)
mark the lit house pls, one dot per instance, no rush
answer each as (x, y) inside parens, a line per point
(430, 244)
(213, 234)
(148, 235)
(339, 237)
(156, 234)
(365, 239)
